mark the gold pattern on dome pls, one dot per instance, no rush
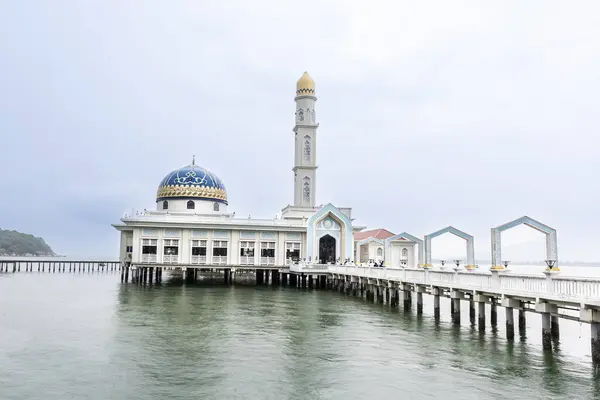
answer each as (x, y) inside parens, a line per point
(191, 191)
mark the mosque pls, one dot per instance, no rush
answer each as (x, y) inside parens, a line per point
(192, 226)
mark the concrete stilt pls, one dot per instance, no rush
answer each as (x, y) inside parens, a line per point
(522, 323)
(546, 331)
(419, 303)
(406, 298)
(510, 323)
(494, 313)
(595, 340)
(472, 311)
(456, 312)
(554, 327)
(436, 307)
(481, 316)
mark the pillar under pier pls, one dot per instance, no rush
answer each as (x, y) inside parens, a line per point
(494, 313)
(546, 332)
(456, 311)
(436, 306)
(522, 323)
(510, 323)
(595, 340)
(481, 319)
(419, 302)
(471, 311)
(554, 327)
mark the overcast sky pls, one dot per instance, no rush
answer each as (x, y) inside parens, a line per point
(431, 113)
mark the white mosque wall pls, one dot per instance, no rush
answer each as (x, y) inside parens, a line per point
(200, 206)
(231, 238)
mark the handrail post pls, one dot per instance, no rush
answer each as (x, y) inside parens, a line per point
(495, 278)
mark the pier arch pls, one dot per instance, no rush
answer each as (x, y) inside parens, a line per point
(401, 246)
(551, 244)
(450, 229)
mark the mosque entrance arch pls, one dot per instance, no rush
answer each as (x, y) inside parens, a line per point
(463, 235)
(327, 249)
(551, 245)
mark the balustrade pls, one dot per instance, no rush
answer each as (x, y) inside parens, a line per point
(148, 258)
(170, 259)
(267, 261)
(572, 288)
(219, 260)
(246, 260)
(198, 259)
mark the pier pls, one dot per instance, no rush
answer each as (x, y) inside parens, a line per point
(550, 294)
(58, 266)
(553, 296)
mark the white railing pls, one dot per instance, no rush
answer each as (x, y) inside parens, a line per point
(170, 258)
(148, 258)
(198, 259)
(219, 260)
(267, 261)
(549, 286)
(246, 260)
(524, 283)
(586, 288)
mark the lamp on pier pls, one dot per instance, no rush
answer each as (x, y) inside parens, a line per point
(403, 262)
(457, 262)
(443, 263)
(552, 267)
(505, 263)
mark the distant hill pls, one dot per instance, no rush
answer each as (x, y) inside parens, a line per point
(13, 243)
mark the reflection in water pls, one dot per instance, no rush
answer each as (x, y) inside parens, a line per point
(92, 338)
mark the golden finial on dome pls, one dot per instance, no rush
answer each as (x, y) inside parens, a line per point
(305, 85)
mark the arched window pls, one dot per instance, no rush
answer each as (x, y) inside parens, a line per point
(404, 252)
(216, 206)
(379, 252)
(191, 205)
(165, 205)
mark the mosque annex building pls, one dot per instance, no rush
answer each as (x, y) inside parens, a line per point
(191, 225)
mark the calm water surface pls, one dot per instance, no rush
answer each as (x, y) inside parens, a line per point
(87, 336)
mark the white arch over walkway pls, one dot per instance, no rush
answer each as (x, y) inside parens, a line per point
(551, 243)
(450, 229)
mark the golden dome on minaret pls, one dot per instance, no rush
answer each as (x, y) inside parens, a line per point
(305, 85)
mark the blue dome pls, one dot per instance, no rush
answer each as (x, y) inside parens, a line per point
(192, 182)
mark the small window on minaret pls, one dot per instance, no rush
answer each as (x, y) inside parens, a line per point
(165, 205)
(306, 189)
(307, 141)
(191, 205)
(300, 115)
(216, 206)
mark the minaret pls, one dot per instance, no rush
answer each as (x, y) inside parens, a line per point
(305, 159)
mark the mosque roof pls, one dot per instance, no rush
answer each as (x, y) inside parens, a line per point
(192, 182)
(373, 233)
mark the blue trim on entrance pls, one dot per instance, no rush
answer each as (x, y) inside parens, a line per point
(311, 228)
